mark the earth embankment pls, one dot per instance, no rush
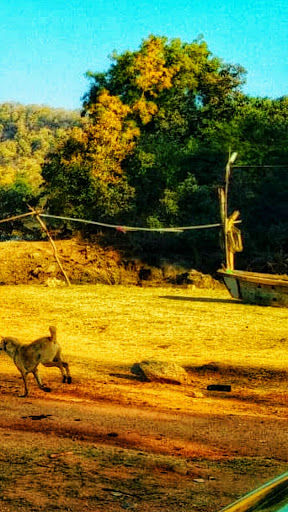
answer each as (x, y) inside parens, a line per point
(26, 262)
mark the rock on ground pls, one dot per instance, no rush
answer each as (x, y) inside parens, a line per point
(157, 371)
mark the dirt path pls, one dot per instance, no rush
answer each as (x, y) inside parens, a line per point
(130, 445)
(204, 431)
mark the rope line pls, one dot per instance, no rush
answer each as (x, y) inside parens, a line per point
(134, 228)
(122, 229)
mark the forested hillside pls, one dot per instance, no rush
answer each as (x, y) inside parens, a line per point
(150, 149)
(27, 135)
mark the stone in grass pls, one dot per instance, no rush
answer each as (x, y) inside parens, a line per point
(157, 371)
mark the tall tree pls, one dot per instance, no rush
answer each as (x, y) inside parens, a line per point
(167, 86)
(157, 128)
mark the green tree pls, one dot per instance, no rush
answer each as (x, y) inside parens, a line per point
(74, 184)
(27, 134)
(157, 130)
(167, 86)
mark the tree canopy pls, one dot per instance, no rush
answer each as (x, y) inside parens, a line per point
(151, 146)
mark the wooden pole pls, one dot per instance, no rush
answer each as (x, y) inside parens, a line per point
(16, 217)
(224, 211)
(45, 229)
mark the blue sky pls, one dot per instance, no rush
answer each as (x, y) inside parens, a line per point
(48, 45)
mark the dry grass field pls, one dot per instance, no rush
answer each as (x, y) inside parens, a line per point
(110, 442)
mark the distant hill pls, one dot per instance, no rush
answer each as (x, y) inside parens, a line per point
(27, 134)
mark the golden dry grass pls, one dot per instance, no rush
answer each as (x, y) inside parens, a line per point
(117, 326)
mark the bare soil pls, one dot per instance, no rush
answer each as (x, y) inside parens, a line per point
(110, 442)
(26, 262)
(124, 444)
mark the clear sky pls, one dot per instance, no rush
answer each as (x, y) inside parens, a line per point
(46, 46)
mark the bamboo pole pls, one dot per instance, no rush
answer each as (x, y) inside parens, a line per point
(16, 217)
(221, 193)
(45, 229)
(224, 211)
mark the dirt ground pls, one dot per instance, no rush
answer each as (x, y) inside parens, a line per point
(125, 444)
(110, 442)
(27, 262)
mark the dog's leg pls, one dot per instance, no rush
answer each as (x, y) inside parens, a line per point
(24, 377)
(61, 365)
(39, 381)
(58, 363)
(58, 359)
(66, 366)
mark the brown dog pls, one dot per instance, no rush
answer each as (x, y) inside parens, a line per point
(45, 350)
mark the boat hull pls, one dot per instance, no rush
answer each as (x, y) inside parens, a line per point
(257, 288)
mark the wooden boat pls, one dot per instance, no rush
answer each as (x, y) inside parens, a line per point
(257, 288)
(250, 287)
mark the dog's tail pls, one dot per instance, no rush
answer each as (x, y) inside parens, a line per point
(52, 330)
